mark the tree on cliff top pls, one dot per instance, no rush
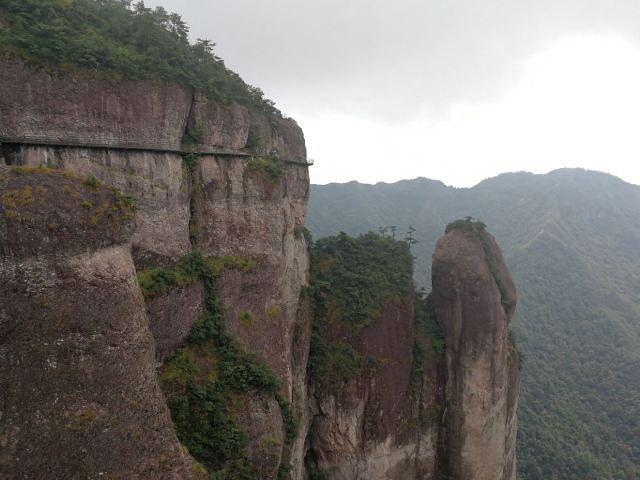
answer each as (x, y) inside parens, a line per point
(118, 39)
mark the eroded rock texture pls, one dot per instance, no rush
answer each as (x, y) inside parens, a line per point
(474, 298)
(79, 397)
(224, 206)
(38, 106)
(231, 210)
(371, 428)
(247, 213)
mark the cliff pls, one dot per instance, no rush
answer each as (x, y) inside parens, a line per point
(185, 338)
(366, 365)
(406, 387)
(184, 161)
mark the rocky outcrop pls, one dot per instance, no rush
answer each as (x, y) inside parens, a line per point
(80, 397)
(240, 210)
(234, 128)
(158, 181)
(230, 208)
(377, 367)
(173, 314)
(474, 298)
(230, 205)
(437, 394)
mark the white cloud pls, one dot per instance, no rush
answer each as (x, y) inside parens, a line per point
(576, 103)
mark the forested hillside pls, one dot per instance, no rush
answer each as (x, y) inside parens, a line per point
(571, 239)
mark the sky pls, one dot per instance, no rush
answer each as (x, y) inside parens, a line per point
(453, 90)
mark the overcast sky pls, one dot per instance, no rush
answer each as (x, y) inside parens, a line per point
(451, 90)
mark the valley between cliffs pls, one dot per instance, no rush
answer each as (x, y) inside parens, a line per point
(163, 313)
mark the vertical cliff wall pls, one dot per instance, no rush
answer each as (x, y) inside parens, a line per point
(377, 380)
(375, 426)
(221, 256)
(474, 298)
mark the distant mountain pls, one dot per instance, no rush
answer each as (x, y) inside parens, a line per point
(571, 239)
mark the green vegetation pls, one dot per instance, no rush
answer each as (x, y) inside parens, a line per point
(351, 278)
(119, 207)
(253, 139)
(231, 262)
(92, 182)
(571, 240)
(284, 472)
(190, 160)
(119, 39)
(266, 166)
(429, 332)
(246, 318)
(193, 135)
(302, 231)
(467, 224)
(208, 379)
(158, 281)
(429, 347)
(315, 473)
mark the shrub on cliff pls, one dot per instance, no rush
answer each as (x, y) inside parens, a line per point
(116, 39)
(351, 278)
(467, 224)
(207, 378)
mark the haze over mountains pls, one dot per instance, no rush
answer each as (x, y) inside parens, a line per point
(571, 239)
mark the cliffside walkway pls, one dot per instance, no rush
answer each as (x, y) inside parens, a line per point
(47, 142)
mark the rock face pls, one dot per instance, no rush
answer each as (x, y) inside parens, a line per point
(55, 108)
(68, 109)
(232, 210)
(369, 429)
(80, 397)
(244, 212)
(437, 396)
(133, 136)
(158, 181)
(173, 314)
(474, 298)
(79, 394)
(239, 211)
